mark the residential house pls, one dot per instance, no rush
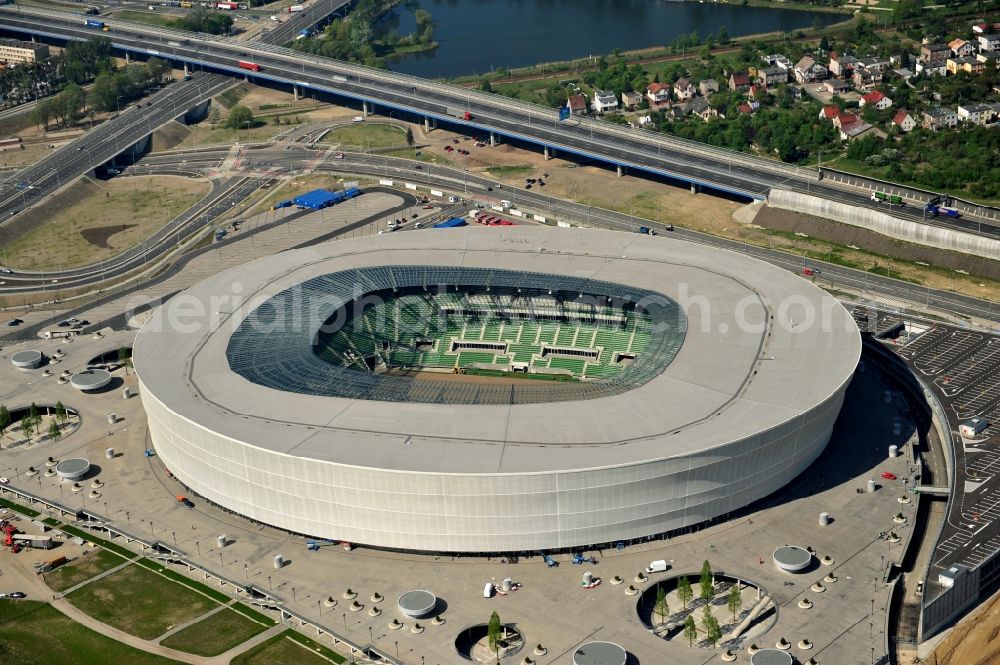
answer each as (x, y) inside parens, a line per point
(932, 67)
(631, 99)
(939, 118)
(934, 51)
(675, 112)
(875, 99)
(989, 59)
(988, 43)
(872, 63)
(684, 89)
(961, 48)
(778, 61)
(707, 86)
(977, 114)
(904, 120)
(808, 70)
(749, 107)
(845, 120)
(577, 104)
(903, 73)
(657, 93)
(842, 65)
(858, 130)
(604, 100)
(829, 112)
(644, 120)
(965, 64)
(757, 91)
(864, 79)
(739, 82)
(700, 107)
(772, 75)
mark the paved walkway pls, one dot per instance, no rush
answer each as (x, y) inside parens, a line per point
(178, 628)
(101, 575)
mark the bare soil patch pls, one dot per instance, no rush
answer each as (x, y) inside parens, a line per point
(100, 235)
(974, 641)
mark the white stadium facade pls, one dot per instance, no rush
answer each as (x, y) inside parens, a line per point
(740, 378)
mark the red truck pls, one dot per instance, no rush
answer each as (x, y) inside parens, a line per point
(252, 66)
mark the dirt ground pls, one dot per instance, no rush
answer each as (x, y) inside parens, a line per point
(91, 220)
(974, 641)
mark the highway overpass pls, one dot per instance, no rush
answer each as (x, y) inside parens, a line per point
(106, 141)
(313, 15)
(624, 148)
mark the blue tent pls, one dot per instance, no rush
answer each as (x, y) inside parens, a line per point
(451, 223)
(318, 198)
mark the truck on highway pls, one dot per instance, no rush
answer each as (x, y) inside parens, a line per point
(304, 33)
(252, 66)
(295, 8)
(227, 6)
(947, 211)
(891, 199)
(93, 23)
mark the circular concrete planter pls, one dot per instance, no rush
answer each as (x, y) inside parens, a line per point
(416, 629)
(782, 644)
(827, 561)
(818, 587)
(374, 611)
(350, 595)
(330, 602)
(805, 644)
(616, 580)
(805, 604)
(377, 597)
(540, 650)
(356, 606)
(729, 656)
(631, 590)
(752, 649)
(395, 625)
(830, 579)
(438, 620)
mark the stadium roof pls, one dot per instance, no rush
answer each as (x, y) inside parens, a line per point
(763, 346)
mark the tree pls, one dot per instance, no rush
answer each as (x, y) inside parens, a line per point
(735, 600)
(125, 358)
(690, 630)
(36, 419)
(54, 432)
(684, 591)
(69, 103)
(707, 587)
(661, 607)
(409, 137)
(493, 631)
(240, 117)
(27, 426)
(824, 44)
(486, 86)
(714, 630)
(706, 616)
(4, 419)
(60, 412)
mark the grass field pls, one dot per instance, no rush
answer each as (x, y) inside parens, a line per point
(149, 18)
(288, 648)
(424, 156)
(84, 568)
(140, 602)
(368, 135)
(95, 221)
(515, 169)
(217, 634)
(26, 625)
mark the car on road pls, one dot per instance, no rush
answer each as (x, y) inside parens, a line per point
(14, 594)
(6, 271)
(809, 272)
(186, 501)
(418, 225)
(418, 167)
(14, 322)
(428, 207)
(920, 588)
(888, 476)
(338, 155)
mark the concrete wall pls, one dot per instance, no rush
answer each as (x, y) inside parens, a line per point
(879, 222)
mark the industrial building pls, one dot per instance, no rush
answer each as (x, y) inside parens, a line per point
(693, 381)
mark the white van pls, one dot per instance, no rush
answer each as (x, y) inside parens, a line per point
(488, 591)
(358, 118)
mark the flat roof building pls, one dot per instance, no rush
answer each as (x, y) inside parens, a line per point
(17, 51)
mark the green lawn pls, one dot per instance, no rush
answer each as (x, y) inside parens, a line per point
(368, 135)
(81, 569)
(510, 170)
(150, 18)
(140, 602)
(217, 634)
(288, 648)
(33, 633)
(424, 156)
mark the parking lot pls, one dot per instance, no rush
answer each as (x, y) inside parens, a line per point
(963, 368)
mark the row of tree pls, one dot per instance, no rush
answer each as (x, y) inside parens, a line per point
(111, 90)
(31, 422)
(212, 22)
(685, 594)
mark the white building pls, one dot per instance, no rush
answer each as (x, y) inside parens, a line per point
(973, 427)
(604, 100)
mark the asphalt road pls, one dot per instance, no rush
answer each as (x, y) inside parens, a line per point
(104, 142)
(635, 149)
(269, 159)
(313, 14)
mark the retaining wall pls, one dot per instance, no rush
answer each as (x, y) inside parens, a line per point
(879, 222)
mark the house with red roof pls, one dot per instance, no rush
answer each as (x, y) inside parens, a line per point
(739, 82)
(829, 112)
(875, 99)
(903, 120)
(657, 93)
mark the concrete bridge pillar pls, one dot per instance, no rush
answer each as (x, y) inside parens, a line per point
(549, 152)
(429, 123)
(296, 93)
(493, 139)
(127, 58)
(694, 188)
(366, 109)
(187, 69)
(622, 170)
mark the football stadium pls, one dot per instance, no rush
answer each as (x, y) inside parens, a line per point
(481, 390)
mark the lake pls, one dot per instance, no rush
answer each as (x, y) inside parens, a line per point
(476, 36)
